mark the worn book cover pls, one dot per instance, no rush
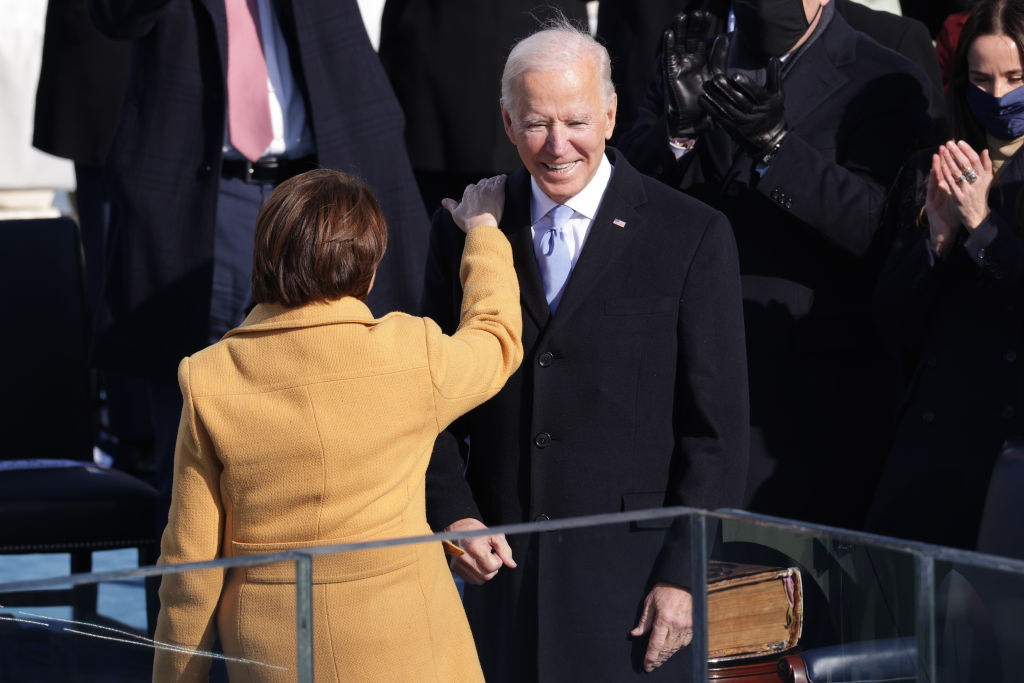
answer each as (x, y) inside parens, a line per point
(753, 610)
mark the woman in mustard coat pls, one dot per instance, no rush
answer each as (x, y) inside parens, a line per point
(312, 423)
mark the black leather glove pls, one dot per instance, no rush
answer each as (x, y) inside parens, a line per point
(684, 69)
(752, 114)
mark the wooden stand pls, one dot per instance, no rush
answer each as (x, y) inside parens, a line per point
(761, 670)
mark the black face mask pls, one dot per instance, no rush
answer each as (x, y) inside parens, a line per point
(769, 28)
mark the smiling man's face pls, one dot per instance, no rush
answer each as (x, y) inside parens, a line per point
(560, 124)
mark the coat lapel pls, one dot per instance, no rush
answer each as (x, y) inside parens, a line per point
(815, 76)
(516, 225)
(611, 232)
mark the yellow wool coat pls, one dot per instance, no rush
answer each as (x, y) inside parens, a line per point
(314, 425)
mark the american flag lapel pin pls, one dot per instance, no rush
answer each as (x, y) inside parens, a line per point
(619, 222)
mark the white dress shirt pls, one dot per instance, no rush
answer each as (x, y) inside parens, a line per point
(585, 205)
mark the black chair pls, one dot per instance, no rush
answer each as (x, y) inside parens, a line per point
(886, 660)
(53, 498)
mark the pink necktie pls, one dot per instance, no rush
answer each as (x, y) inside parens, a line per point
(248, 103)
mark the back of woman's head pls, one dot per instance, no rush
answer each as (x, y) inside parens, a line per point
(319, 237)
(988, 17)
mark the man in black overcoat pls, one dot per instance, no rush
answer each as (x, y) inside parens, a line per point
(632, 393)
(632, 31)
(798, 153)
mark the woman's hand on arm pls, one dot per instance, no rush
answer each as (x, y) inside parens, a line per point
(482, 204)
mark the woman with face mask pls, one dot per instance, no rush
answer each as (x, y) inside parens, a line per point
(952, 294)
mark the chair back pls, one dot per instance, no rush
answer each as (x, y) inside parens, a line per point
(46, 380)
(1001, 531)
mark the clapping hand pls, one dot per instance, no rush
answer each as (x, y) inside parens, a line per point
(752, 114)
(684, 68)
(969, 178)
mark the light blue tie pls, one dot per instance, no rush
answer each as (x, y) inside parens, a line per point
(554, 259)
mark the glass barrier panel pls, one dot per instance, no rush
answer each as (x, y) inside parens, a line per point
(778, 596)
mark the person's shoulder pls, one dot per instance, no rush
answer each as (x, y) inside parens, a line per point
(656, 194)
(673, 212)
(875, 53)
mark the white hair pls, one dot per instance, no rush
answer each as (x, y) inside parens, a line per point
(557, 45)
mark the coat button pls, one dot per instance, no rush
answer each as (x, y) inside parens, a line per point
(542, 517)
(545, 359)
(542, 440)
(1010, 356)
(1008, 412)
(928, 417)
(775, 194)
(981, 254)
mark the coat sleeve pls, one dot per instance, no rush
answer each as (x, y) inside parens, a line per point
(485, 260)
(712, 410)
(473, 364)
(841, 193)
(194, 533)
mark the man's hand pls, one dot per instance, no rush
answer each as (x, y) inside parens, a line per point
(668, 617)
(481, 204)
(484, 555)
(752, 114)
(684, 68)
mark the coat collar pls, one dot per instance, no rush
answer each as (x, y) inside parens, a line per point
(611, 231)
(277, 317)
(818, 73)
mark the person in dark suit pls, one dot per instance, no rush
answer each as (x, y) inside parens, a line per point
(632, 393)
(951, 294)
(799, 157)
(185, 193)
(82, 81)
(446, 79)
(633, 32)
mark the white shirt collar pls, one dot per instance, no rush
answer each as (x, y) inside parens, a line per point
(584, 203)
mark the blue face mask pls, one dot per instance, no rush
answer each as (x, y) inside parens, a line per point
(1002, 117)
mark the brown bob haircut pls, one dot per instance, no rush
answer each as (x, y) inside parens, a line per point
(319, 237)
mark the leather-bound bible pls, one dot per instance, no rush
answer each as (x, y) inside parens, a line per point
(753, 611)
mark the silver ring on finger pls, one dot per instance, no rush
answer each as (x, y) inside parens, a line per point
(959, 180)
(970, 175)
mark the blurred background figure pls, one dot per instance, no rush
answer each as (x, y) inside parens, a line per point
(933, 12)
(81, 85)
(312, 424)
(951, 294)
(444, 60)
(945, 43)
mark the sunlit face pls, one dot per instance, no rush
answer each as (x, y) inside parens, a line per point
(993, 64)
(560, 126)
